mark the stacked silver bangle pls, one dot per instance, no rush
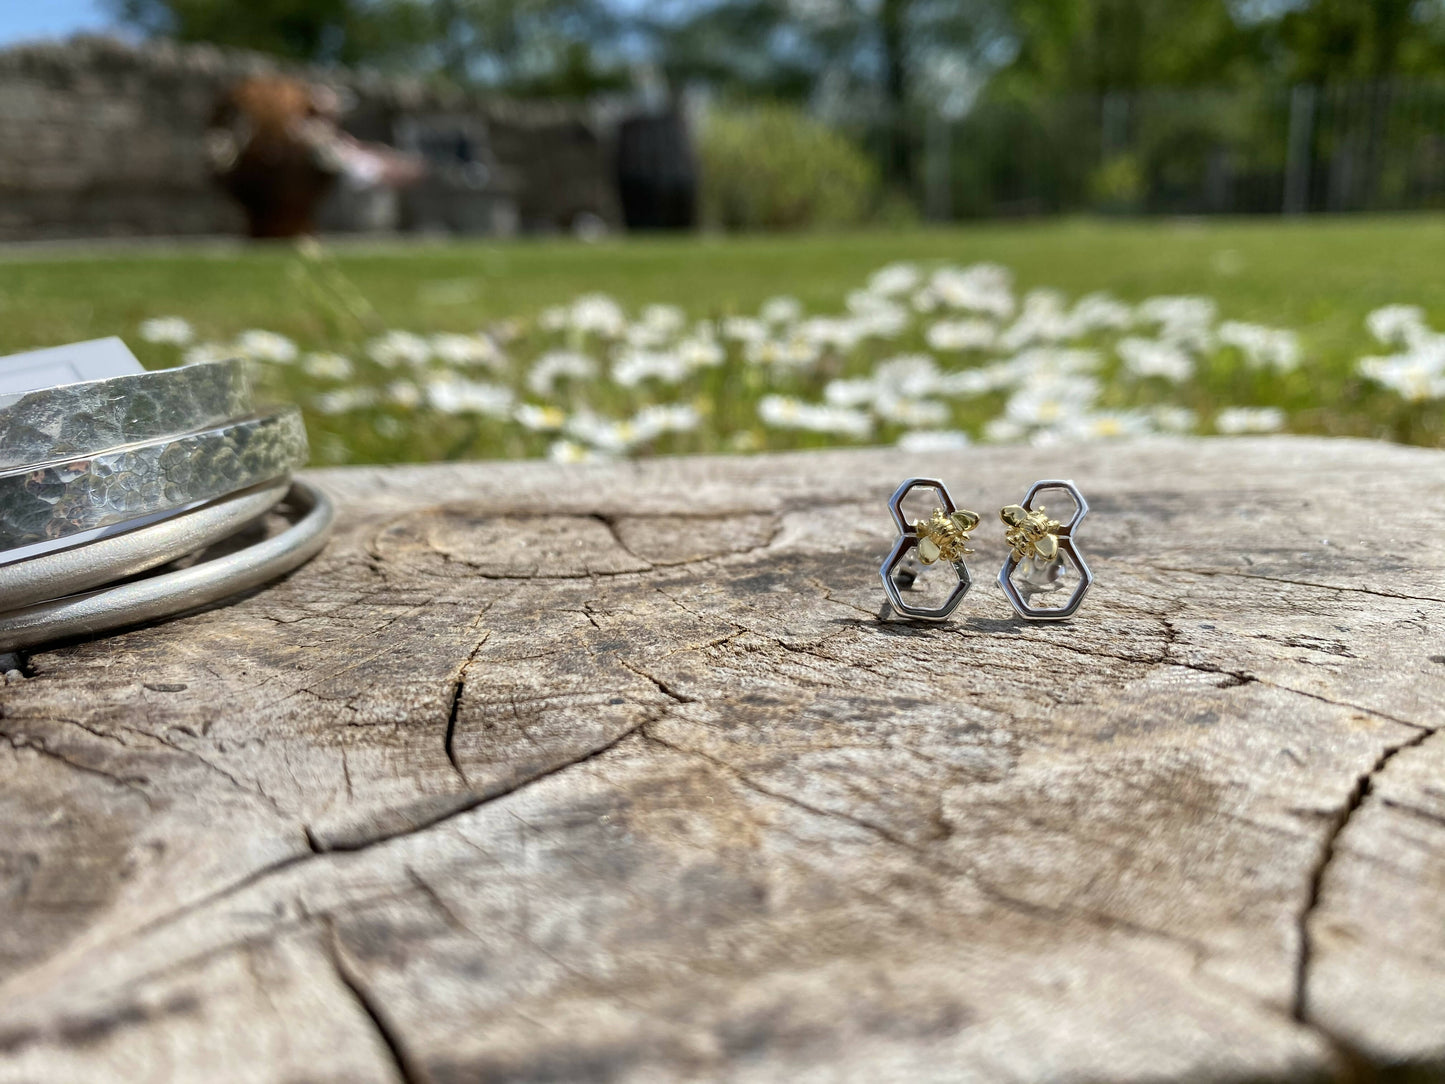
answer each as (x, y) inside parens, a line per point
(108, 480)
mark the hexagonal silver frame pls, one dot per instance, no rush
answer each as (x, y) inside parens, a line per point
(1066, 545)
(907, 542)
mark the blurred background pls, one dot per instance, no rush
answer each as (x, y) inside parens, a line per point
(597, 227)
(596, 115)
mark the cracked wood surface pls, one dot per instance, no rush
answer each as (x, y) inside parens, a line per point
(610, 773)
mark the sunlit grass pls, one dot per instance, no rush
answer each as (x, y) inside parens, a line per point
(1319, 277)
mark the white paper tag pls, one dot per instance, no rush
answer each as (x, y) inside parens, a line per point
(97, 359)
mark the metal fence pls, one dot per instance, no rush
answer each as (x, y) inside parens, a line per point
(1361, 147)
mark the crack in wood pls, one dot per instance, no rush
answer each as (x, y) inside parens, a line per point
(408, 1070)
(1210, 572)
(459, 688)
(1339, 820)
(662, 686)
(134, 784)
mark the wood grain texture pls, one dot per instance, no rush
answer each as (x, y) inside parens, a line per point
(611, 773)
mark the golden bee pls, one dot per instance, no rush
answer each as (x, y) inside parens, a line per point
(944, 536)
(1031, 533)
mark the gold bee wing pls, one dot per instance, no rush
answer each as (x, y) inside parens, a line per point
(964, 519)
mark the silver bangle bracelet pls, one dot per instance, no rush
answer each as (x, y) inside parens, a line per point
(169, 593)
(40, 506)
(55, 575)
(76, 420)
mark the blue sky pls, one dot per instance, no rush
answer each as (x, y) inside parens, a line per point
(29, 20)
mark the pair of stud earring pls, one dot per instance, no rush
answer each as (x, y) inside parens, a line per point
(1044, 576)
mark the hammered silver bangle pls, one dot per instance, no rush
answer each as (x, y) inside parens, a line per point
(74, 420)
(167, 594)
(43, 505)
(79, 568)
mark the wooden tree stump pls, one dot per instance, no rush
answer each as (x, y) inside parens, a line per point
(611, 773)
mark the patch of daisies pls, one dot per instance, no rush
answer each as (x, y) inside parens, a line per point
(1416, 369)
(931, 358)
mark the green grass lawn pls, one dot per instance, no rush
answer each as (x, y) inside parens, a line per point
(1319, 277)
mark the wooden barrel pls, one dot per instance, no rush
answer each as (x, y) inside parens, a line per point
(656, 173)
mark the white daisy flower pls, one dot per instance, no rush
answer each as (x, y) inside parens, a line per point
(786, 412)
(1100, 312)
(781, 310)
(971, 382)
(1262, 347)
(539, 419)
(934, 440)
(1150, 357)
(1109, 425)
(794, 352)
(404, 394)
(853, 392)
(1003, 430)
(744, 329)
(466, 350)
(983, 288)
(260, 345)
(909, 375)
(1043, 363)
(665, 319)
(1043, 319)
(830, 331)
(1415, 377)
(569, 451)
(659, 418)
(914, 413)
(399, 348)
(956, 335)
(555, 364)
(1052, 401)
(1234, 420)
(1397, 325)
(631, 367)
(344, 400)
(895, 279)
(925, 300)
(598, 314)
(1174, 419)
(604, 434)
(168, 330)
(701, 352)
(877, 318)
(325, 366)
(1186, 321)
(453, 394)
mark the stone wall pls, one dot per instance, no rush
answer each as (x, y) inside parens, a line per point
(102, 138)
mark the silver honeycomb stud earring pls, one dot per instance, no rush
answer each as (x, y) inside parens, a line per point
(941, 537)
(1044, 577)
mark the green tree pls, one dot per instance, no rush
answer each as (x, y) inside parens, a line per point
(1098, 46)
(561, 47)
(1328, 40)
(852, 60)
(528, 46)
(324, 31)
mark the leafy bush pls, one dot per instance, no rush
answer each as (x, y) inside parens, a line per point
(773, 167)
(1118, 184)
